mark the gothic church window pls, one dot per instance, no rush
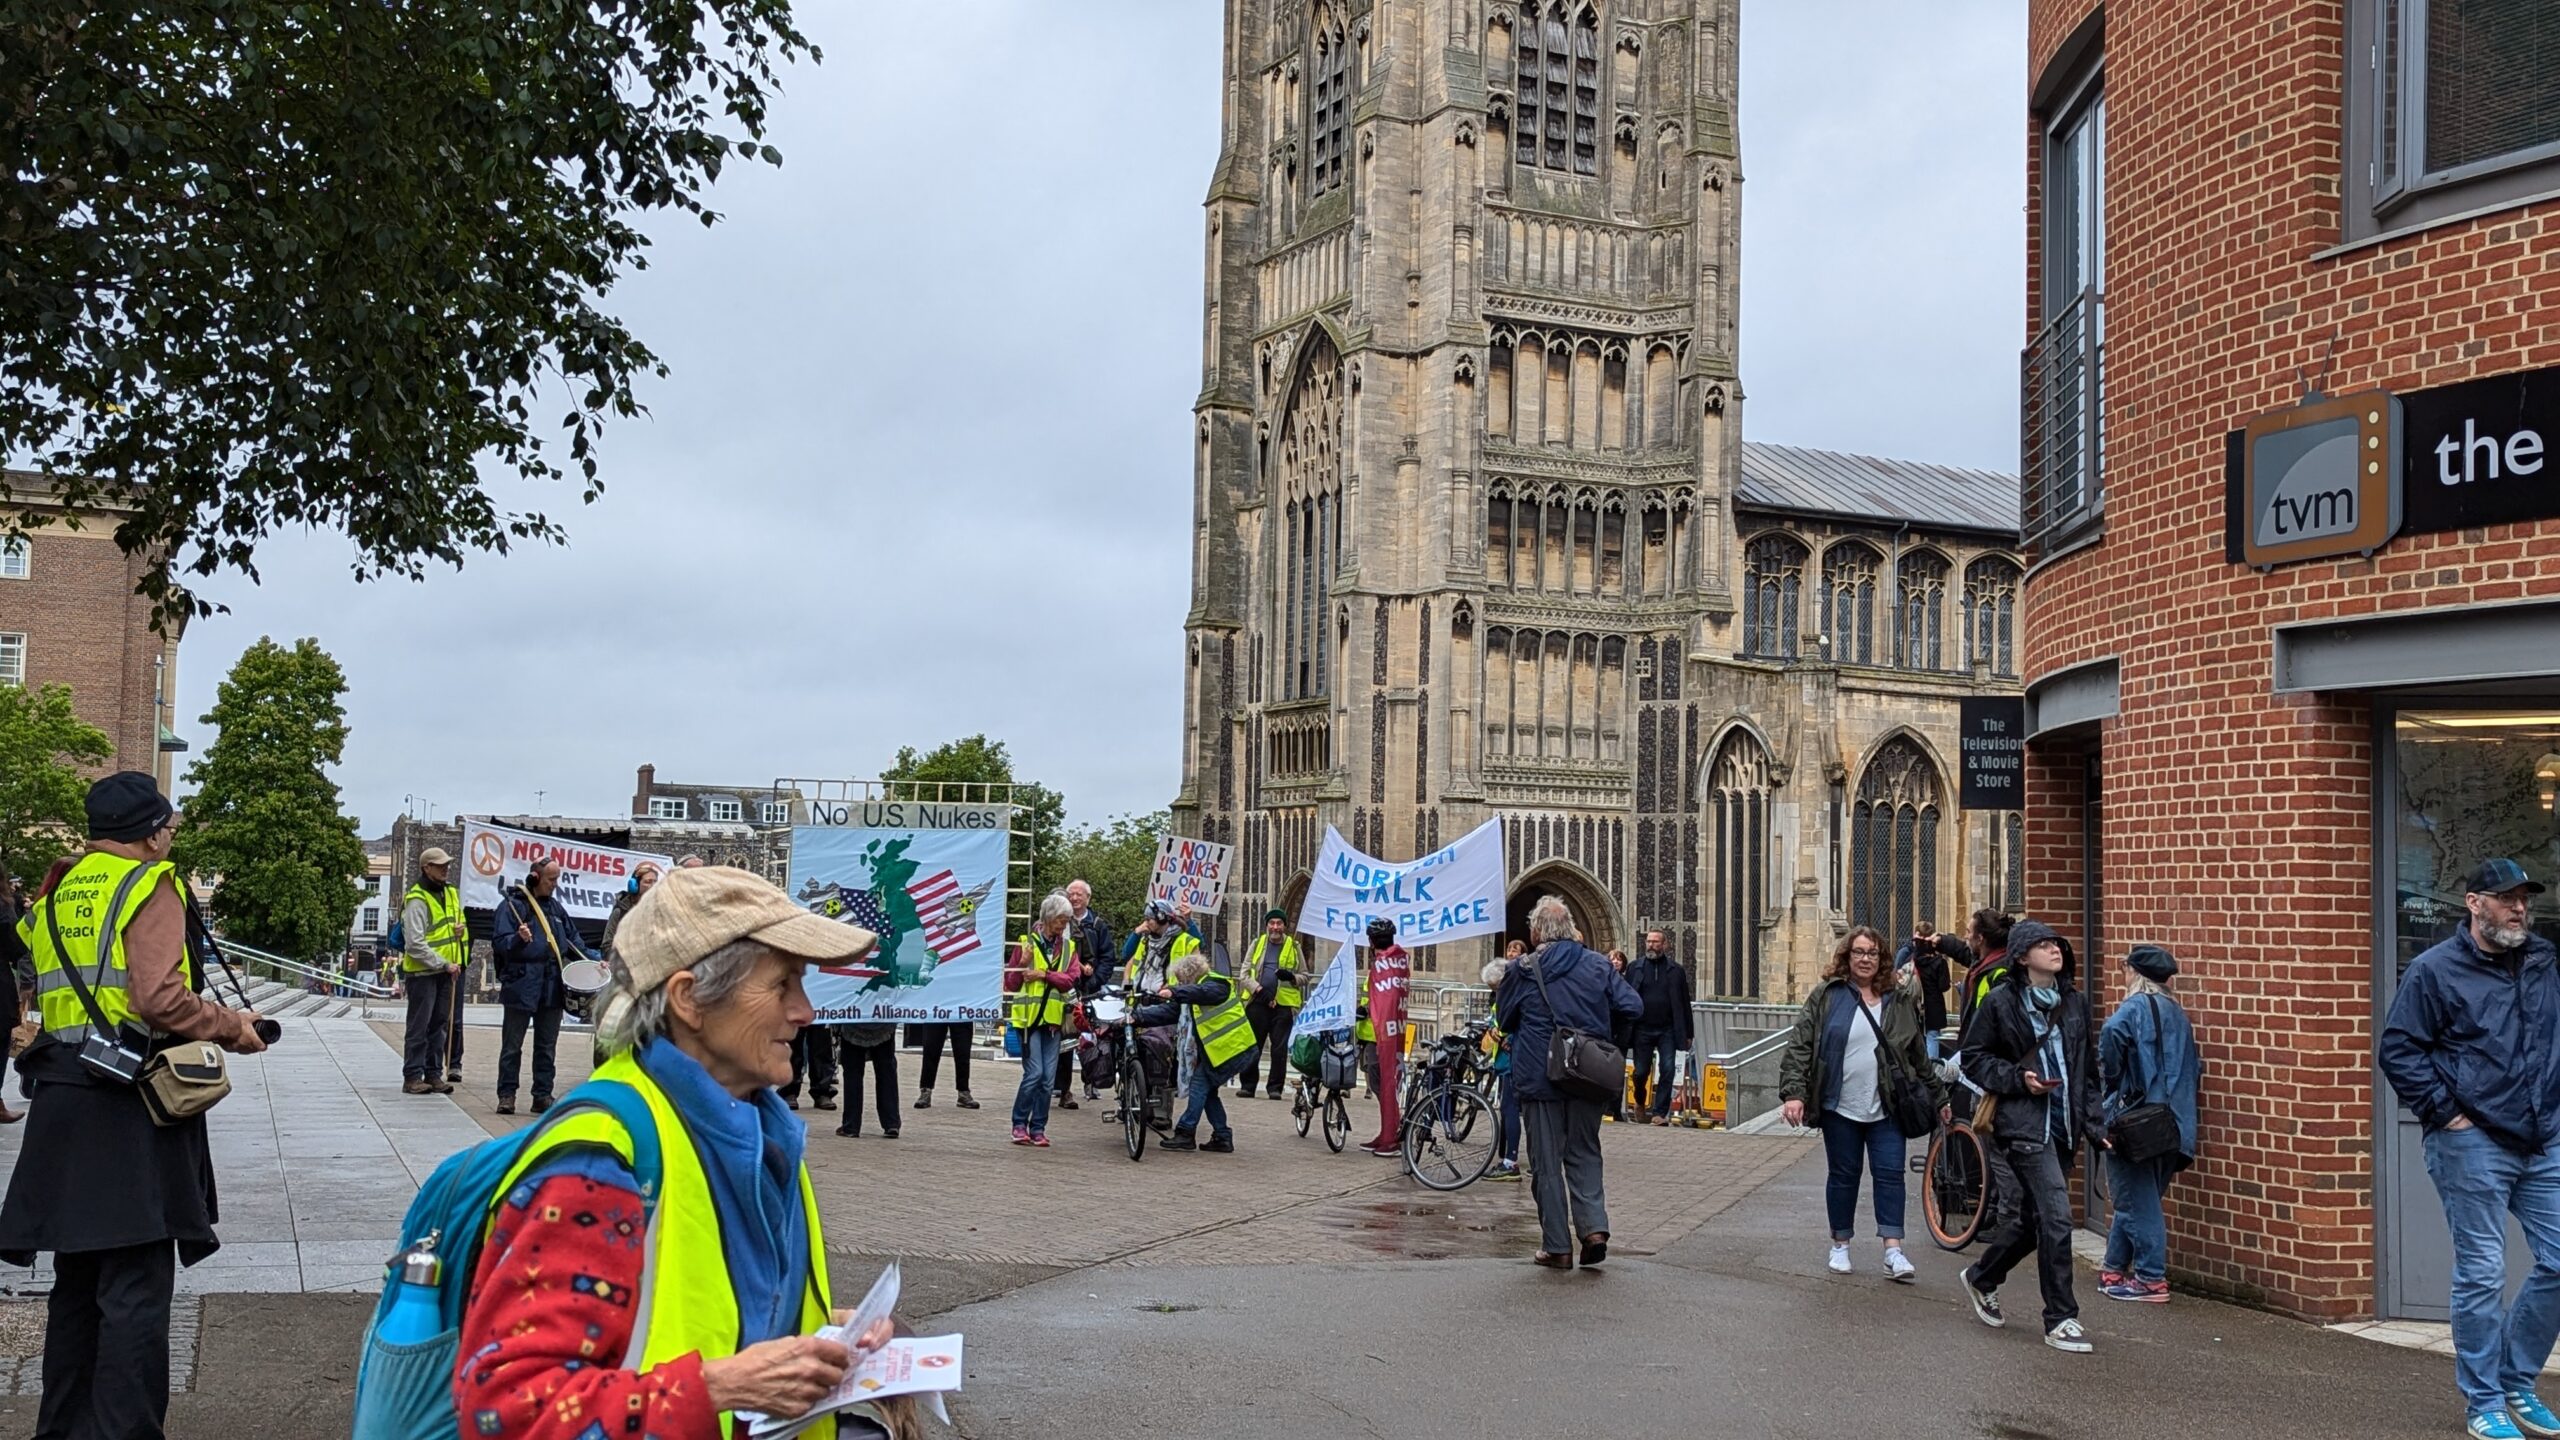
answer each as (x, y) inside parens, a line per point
(1773, 587)
(1893, 837)
(1991, 615)
(1310, 487)
(1738, 824)
(1849, 602)
(1329, 115)
(1556, 119)
(1920, 594)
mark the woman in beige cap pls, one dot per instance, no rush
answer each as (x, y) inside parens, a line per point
(705, 1301)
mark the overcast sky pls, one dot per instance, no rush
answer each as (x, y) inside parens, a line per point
(921, 467)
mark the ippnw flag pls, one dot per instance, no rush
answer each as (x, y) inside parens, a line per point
(947, 932)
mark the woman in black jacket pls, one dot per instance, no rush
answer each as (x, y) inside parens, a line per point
(2031, 1047)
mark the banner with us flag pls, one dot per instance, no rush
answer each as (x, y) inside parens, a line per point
(936, 900)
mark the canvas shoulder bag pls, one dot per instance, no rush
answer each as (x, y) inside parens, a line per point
(180, 1080)
(2145, 1133)
(1579, 1063)
(1906, 1100)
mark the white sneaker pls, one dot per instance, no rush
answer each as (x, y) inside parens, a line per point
(2068, 1336)
(1897, 1266)
(1839, 1259)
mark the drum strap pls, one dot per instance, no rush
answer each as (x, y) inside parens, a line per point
(543, 922)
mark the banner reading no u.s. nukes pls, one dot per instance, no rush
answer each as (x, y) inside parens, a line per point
(1449, 894)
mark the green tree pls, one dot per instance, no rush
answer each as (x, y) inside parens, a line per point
(267, 264)
(265, 816)
(42, 746)
(924, 775)
(1116, 859)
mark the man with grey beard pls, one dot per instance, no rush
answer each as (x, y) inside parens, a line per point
(2469, 1049)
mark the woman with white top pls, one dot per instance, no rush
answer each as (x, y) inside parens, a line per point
(1855, 1032)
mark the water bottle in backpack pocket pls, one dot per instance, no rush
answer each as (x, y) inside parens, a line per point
(404, 1380)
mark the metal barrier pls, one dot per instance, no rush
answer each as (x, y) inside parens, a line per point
(1721, 1025)
(1750, 1076)
(250, 960)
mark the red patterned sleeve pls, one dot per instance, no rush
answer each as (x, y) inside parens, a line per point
(551, 1315)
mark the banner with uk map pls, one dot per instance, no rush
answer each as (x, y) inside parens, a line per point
(936, 900)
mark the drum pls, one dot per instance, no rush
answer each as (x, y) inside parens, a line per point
(1109, 1010)
(584, 977)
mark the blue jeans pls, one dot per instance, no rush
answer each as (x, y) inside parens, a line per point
(1662, 1045)
(1847, 1144)
(1510, 1119)
(2138, 1238)
(1931, 1040)
(1205, 1083)
(2498, 1350)
(1039, 1068)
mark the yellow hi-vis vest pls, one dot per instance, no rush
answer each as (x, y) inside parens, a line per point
(1286, 996)
(686, 1303)
(91, 905)
(1048, 1005)
(1224, 1031)
(448, 933)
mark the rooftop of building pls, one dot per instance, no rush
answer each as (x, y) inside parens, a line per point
(1865, 487)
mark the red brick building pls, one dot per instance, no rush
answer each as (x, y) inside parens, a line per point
(69, 616)
(2292, 667)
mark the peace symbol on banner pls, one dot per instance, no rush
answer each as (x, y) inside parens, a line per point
(488, 854)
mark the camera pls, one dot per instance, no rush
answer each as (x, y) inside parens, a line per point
(118, 1057)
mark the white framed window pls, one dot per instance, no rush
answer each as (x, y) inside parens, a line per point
(669, 807)
(774, 812)
(371, 921)
(13, 558)
(13, 659)
(726, 810)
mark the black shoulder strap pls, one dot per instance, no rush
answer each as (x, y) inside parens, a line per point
(1883, 1047)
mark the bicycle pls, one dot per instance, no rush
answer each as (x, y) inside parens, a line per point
(1315, 1097)
(1438, 1126)
(1955, 1185)
(1134, 1096)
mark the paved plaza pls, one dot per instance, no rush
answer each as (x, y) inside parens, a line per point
(1297, 1290)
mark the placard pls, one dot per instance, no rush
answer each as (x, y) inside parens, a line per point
(1191, 872)
(936, 900)
(1992, 736)
(1449, 894)
(496, 859)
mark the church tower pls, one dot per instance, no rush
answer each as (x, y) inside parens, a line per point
(1468, 438)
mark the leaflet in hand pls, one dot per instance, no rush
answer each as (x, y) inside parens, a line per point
(910, 1365)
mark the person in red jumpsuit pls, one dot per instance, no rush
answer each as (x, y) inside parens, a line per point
(1389, 969)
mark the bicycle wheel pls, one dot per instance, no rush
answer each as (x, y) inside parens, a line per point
(1299, 1108)
(1444, 1146)
(1133, 1111)
(1337, 1122)
(1952, 1188)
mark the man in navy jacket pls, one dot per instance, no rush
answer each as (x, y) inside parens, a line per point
(2469, 1048)
(534, 938)
(1562, 984)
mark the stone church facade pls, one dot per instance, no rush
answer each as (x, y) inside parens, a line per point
(1476, 533)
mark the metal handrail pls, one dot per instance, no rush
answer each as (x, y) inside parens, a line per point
(251, 958)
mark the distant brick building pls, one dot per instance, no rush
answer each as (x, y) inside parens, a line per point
(69, 616)
(2291, 667)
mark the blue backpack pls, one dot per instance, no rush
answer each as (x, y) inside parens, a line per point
(397, 942)
(404, 1391)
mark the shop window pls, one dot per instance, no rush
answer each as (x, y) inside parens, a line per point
(1894, 840)
(2453, 107)
(2473, 785)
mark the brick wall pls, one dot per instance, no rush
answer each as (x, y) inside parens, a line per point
(2237, 821)
(87, 629)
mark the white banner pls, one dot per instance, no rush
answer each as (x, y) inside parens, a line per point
(1192, 872)
(495, 858)
(936, 900)
(1330, 1003)
(1449, 894)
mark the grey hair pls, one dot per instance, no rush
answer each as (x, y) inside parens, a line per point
(1494, 970)
(2137, 983)
(632, 1018)
(1550, 919)
(1190, 968)
(1056, 907)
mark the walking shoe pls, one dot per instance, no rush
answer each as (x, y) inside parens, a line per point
(849, 1132)
(825, 1102)
(924, 1099)
(892, 1135)
(417, 1087)
(1839, 1259)
(506, 1104)
(1898, 1267)
(1986, 1303)
(791, 1100)
(2531, 1415)
(443, 1087)
(2068, 1336)
(2110, 1277)
(1661, 1119)
(453, 1077)
(2149, 1292)
(1092, 1093)
(1274, 1095)
(1021, 1134)
(1178, 1141)
(1039, 1139)
(1064, 1100)
(1219, 1145)
(966, 1103)
(541, 1104)
(1504, 1170)
(2493, 1425)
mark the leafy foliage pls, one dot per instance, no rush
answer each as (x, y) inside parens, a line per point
(1116, 859)
(42, 744)
(980, 760)
(265, 818)
(266, 264)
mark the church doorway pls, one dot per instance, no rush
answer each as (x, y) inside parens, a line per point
(1591, 908)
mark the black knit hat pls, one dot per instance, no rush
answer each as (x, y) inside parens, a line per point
(1274, 913)
(127, 806)
(2152, 962)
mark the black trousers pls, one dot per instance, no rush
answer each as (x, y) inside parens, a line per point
(883, 1060)
(455, 987)
(959, 1036)
(424, 1040)
(106, 1344)
(546, 1050)
(1271, 1031)
(813, 1058)
(2031, 1215)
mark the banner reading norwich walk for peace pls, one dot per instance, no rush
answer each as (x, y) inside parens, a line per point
(1449, 894)
(936, 900)
(496, 859)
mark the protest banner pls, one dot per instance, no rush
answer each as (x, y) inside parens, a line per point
(1331, 1003)
(1192, 872)
(936, 900)
(1449, 894)
(495, 859)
